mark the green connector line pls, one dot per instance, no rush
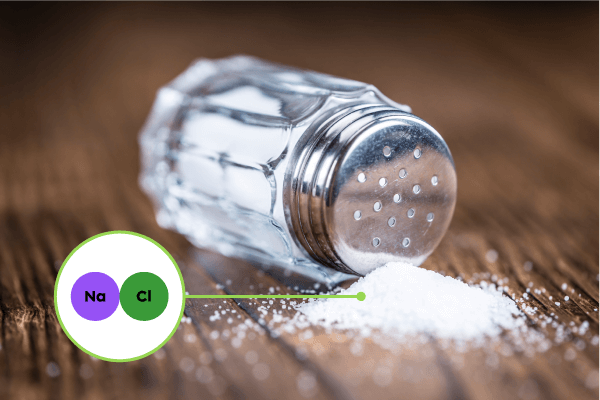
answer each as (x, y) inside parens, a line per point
(360, 296)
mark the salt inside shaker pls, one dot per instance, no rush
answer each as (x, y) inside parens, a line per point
(295, 168)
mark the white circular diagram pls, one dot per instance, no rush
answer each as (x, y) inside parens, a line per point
(119, 296)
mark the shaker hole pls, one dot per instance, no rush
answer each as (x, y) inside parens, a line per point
(387, 151)
(382, 182)
(402, 174)
(377, 206)
(376, 241)
(391, 222)
(417, 153)
(406, 242)
(434, 180)
(397, 198)
(362, 177)
(357, 215)
(411, 213)
(429, 217)
(417, 189)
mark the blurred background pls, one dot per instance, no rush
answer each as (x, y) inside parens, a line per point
(512, 88)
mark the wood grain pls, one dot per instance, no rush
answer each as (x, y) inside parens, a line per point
(513, 88)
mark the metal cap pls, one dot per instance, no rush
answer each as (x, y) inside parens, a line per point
(367, 185)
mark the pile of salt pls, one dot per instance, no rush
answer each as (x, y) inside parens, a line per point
(402, 300)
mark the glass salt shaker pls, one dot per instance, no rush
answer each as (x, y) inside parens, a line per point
(317, 174)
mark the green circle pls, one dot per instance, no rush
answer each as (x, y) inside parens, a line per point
(56, 295)
(361, 296)
(144, 296)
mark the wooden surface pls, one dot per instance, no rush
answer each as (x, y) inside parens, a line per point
(513, 89)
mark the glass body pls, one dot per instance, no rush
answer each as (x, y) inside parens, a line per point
(216, 147)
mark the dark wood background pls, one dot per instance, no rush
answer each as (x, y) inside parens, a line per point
(513, 88)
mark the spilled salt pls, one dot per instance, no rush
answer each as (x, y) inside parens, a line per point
(402, 299)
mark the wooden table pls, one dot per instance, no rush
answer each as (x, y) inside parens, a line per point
(513, 88)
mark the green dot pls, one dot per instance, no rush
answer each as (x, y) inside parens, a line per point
(144, 296)
(361, 296)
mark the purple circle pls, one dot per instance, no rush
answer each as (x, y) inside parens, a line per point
(95, 296)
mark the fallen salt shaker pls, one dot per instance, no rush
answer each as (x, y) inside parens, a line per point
(294, 168)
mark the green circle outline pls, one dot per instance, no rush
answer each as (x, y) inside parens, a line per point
(122, 233)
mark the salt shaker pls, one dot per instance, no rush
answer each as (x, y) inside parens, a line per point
(294, 168)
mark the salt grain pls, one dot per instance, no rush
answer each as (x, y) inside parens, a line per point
(220, 355)
(190, 338)
(570, 355)
(491, 256)
(251, 357)
(307, 384)
(85, 371)
(186, 364)
(52, 369)
(591, 382)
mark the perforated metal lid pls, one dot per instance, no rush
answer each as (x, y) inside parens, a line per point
(368, 185)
